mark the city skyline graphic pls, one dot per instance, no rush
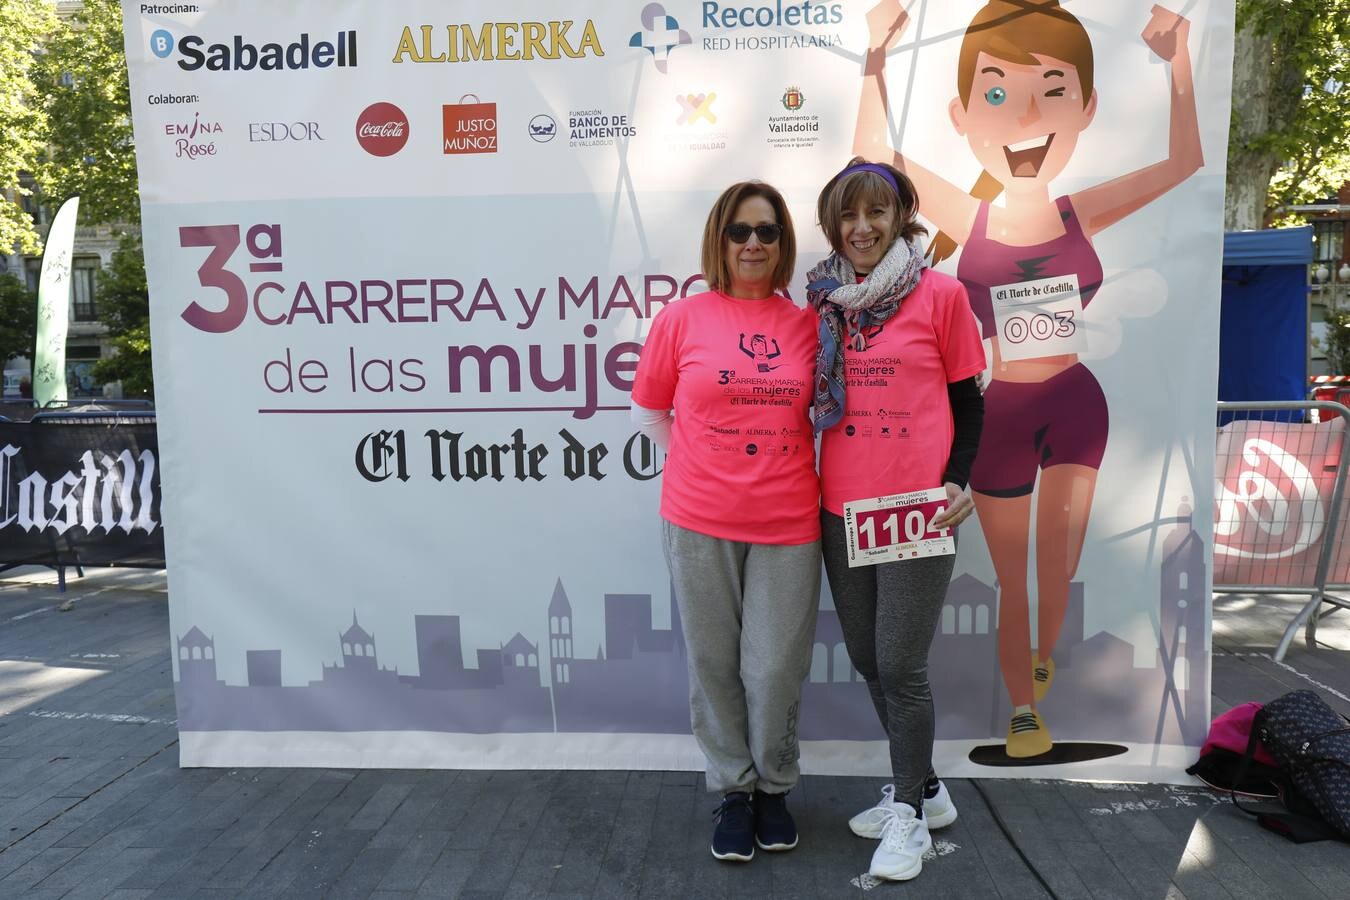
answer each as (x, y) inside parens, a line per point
(636, 680)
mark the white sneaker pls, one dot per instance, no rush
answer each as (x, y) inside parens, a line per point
(938, 812)
(904, 841)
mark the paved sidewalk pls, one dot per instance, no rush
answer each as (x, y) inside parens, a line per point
(93, 804)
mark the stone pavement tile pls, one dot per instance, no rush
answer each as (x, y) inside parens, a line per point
(528, 813)
(163, 866)
(535, 856)
(333, 853)
(411, 816)
(681, 831)
(365, 872)
(97, 871)
(416, 858)
(475, 823)
(338, 812)
(379, 807)
(248, 861)
(620, 870)
(447, 876)
(125, 894)
(590, 836)
(453, 806)
(262, 816)
(191, 875)
(322, 792)
(307, 853)
(389, 895)
(35, 869)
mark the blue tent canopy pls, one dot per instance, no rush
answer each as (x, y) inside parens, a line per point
(1263, 325)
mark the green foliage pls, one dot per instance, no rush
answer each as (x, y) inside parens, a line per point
(18, 318)
(1337, 343)
(123, 301)
(81, 80)
(24, 27)
(1307, 124)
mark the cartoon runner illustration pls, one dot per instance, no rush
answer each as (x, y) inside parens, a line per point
(759, 352)
(1024, 94)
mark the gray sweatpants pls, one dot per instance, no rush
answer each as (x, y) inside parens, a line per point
(749, 617)
(889, 614)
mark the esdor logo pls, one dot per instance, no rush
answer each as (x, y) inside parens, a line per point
(382, 129)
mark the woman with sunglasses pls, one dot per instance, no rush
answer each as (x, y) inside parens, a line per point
(740, 500)
(900, 411)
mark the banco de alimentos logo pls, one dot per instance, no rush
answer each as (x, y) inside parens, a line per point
(660, 35)
(241, 54)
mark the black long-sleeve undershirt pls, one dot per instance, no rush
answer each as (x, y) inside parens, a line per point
(968, 417)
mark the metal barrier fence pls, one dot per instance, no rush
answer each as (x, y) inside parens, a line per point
(1280, 521)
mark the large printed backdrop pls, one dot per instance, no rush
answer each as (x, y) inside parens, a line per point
(402, 262)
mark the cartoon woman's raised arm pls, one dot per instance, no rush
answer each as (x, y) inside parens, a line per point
(944, 204)
(1166, 35)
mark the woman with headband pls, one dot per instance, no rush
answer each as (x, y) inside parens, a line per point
(740, 504)
(900, 411)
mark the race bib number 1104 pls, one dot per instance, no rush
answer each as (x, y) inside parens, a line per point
(885, 529)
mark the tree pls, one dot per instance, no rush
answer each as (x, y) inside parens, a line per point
(123, 300)
(81, 80)
(18, 318)
(1290, 136)
(24, 27)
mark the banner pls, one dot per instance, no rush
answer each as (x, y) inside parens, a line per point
(1273, 503)
(80, 494)
(402, 265)
(53, 309)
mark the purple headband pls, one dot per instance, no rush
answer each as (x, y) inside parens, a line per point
(875, 169)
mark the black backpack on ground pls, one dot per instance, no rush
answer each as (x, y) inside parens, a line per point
(1311, 743)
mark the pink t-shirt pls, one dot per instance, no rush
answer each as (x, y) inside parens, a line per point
(738, 373)
(896, 433)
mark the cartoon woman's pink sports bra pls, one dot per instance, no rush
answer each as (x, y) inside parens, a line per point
(986, 264)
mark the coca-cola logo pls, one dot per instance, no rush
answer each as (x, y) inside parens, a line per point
(1267, 505)
(382, 129)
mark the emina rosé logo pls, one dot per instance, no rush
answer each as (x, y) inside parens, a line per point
(382, 129)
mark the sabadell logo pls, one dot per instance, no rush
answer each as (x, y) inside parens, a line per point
(240, 54)
(382, 129)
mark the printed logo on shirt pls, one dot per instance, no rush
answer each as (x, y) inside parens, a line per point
(759, 351)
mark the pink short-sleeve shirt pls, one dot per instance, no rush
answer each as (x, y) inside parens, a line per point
(896, 433)
(738, 374)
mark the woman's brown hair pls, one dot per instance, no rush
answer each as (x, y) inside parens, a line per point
(844, 190)
(715, 269)
(1014, 31)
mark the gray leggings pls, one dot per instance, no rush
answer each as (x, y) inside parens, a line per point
(889, 614)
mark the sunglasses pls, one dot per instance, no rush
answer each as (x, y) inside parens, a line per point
(739, 232)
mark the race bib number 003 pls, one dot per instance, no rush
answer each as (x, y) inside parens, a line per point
(1039, 318)
(885, 529)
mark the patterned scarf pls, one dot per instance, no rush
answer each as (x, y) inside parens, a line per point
(848, 307)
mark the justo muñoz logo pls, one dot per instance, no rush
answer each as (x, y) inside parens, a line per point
(382, 129)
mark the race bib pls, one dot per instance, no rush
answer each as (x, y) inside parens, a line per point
(885, 529)
(1039, 318)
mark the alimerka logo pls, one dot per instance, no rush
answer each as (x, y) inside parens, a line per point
(242, 55)
(499, 41)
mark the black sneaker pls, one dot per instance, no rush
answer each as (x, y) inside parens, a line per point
(774, 828)
(734, 836)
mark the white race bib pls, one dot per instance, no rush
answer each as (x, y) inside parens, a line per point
(1039, 318)
(885, 529)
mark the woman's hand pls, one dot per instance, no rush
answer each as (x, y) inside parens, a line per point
(959, 508)
(1165, 32)
(885, 23)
